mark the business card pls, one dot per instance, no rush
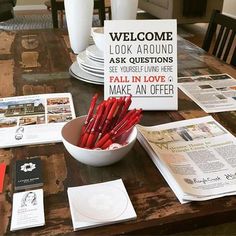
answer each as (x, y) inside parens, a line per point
(28, 173)
(27, 210)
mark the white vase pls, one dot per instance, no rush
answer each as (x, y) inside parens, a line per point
(124, 9)
(79, 16)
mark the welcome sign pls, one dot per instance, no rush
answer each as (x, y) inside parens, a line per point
(141, 60)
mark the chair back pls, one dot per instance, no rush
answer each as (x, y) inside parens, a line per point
(223, 44)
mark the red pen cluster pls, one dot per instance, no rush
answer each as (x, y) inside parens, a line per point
(108, 122)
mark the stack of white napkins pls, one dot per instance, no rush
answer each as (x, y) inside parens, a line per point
(100, 204)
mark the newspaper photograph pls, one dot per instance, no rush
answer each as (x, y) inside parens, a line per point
(34, 119)
(213, 93)
(196, 157)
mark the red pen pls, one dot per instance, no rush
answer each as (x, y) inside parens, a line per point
(90, 114)
(130, 125)
(122, 123)
(91, 108)
(86, 133)
(120, 105)
(125, 108)
(109, 117)
(94, 131)
(108, 105)
(121, 132)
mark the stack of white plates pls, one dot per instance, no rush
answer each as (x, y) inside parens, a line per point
(89, 66)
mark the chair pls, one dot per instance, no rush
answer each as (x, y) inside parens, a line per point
(224, 45)
(6, 9)
(57, 6)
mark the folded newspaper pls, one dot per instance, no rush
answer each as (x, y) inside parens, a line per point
(196, 157)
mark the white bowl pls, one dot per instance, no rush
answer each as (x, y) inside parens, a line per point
(99, 38)
(70, 135)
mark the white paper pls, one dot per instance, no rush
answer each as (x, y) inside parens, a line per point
(141, 59)
(195, 156)
(99, 204)
(213, 93)
(27, 210)
(34, 119)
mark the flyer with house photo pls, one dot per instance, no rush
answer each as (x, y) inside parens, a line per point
(34, 119)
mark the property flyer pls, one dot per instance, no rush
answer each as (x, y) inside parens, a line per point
(213, 93)
(34, 119)
(141, 59)
(195, 156)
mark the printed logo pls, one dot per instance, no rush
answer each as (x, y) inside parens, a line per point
(202, 180)
(27, 167)
(188, 181)
(230, 176)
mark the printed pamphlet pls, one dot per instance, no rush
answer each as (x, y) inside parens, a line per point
(213, 93)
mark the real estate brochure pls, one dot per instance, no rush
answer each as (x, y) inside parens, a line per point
(27, 210)
(213, 93)
(34, 119)
(196, 157)
(99, 204)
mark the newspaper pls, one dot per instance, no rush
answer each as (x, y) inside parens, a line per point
(34, 119)
(196, 157)
(213, 93)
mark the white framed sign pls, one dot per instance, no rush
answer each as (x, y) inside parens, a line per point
(141, 59)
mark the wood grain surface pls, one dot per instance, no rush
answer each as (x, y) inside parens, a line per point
(37, 61)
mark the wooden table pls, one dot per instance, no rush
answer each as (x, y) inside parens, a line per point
(33, 62)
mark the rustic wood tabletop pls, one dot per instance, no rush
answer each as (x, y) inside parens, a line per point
(37, 61)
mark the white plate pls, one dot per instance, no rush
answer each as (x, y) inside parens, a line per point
(78, 73)
(83, 79)
(85, 61)
(95, 52)
(95, 59)
(100, 75)
(100, 204)
(98, 72)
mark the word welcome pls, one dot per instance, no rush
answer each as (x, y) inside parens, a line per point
(141, 36)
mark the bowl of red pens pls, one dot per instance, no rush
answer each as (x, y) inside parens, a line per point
(105, 135)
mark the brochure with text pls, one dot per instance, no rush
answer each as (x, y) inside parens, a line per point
(213, 93)
(34, 119)
(196, 157)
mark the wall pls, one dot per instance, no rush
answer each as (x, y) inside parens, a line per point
(229, 7)
(30, 2)
(30, 5)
